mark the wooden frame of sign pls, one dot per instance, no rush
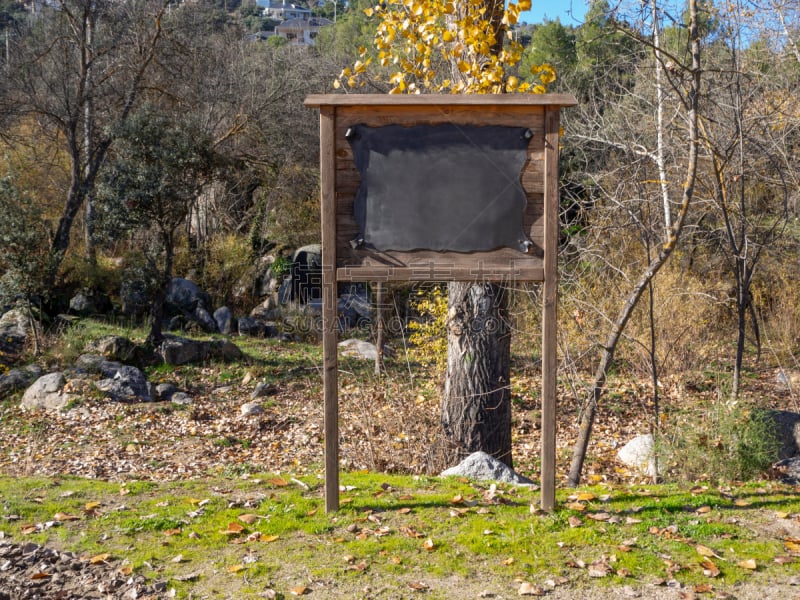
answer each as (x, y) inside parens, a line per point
(344, 260)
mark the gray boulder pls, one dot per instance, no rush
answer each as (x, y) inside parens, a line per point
(787, 432)
(268, 310)
(185, 296)
(484, 467)
(135, 298)
(307, 273)
(223, 317)
(203, 318)
(181, 398)
(89, 363)
(17, 379)
(263, 389)
(14, 329)
(165, 391)
(176, 350)
(112, 347)
(89, 302)
(47, 392)
(256, 328)
(127, 385)
(265, 281)
(790, 469)
(15, 322)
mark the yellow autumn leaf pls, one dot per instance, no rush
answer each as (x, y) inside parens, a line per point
(236, 568)
(99, 558)
(706, 551)
(749, 564)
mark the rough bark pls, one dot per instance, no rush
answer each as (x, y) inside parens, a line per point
(476, 406)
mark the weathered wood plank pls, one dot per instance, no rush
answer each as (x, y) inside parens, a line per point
(481, 100)
(330, 359)
(550, 313)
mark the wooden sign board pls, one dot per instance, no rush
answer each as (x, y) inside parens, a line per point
(405, 132)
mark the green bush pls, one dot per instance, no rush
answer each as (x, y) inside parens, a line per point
(728, 442)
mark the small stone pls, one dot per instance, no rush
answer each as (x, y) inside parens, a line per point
(252, 408)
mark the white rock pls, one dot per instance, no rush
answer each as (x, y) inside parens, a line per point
(640, 454)
(359, 349)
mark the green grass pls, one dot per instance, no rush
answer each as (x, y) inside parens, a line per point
(399, 529)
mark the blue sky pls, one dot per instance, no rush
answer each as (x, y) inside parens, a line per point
(570, 12)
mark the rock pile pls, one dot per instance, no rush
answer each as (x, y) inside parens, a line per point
(30, 571)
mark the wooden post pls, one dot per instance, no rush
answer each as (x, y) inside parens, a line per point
(550, 309)
(379, 324)
(330, 325)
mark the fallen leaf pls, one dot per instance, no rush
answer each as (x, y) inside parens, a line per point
(741, 503)
(236, 568)
(41, 575)
(428, 545)
(748, 564)
(268, 538)
(279, 482)
(792, 545)
(60, 516)
(418, 586)
(710, 569)
(706, 551)
(528, 589)
(458, 499)
(233, 529)
(601, 516)
(576, 506)
(99, 558)
(177, 559)
(703, 588)
(703, 510)
(248, 518)
(404, 511)
(509, 561)
(170, 532)
(91, 506)
(574, 521)
(586, 497)
(599, 569)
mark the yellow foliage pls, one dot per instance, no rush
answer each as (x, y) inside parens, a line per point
(462, 38)
(429, 335)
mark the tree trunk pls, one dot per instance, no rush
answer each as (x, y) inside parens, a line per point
(598, 387)
(476, 407)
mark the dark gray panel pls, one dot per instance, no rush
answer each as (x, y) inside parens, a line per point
(443, 187)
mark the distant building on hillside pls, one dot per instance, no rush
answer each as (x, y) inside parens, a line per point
(302, 31)
(282, 11)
